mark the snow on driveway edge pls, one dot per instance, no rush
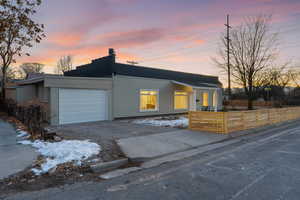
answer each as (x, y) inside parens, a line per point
(62, 152)
(180, 122)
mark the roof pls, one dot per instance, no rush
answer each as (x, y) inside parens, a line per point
(147, 72)
(106, 67)
(30, 81)
(36, 78)
(32, 75)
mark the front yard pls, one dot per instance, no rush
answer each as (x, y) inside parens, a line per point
(68, 160)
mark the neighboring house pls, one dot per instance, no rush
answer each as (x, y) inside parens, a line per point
(33, 75)
(106, 90)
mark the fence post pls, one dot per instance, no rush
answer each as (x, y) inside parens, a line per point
(243, 119)
(256, 118)
(225, 122)
(190, 119)
(268, 117)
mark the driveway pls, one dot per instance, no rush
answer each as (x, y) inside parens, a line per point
(106, 132)
(13, 157)
(137, 141)
(143, 148)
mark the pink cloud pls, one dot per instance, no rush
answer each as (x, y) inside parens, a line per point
(133, 38)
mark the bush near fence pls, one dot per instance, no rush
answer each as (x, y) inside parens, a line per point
(34, 116)
(227, 122)
(244, 103)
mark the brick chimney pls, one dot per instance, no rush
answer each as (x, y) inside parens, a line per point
(112, 54)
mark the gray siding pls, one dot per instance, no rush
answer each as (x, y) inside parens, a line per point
(54, 95)
(26, 93)
(42, 93)
(78, 82)
(11, 93)
(126, 96)
(30, 92)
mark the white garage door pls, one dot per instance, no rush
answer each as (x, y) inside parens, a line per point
(82, 105)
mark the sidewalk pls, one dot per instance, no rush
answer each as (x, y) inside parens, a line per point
(143, 148)
(13, 157)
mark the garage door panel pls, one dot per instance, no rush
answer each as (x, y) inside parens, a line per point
(82, 105)
(79, 119)
(78, 107)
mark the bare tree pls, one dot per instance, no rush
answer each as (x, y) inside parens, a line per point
(12, 73)
(64, 64)
(296, 78)
(253, 48)
(277, 79)
(17, 31)
(280, 77)
(28, 68)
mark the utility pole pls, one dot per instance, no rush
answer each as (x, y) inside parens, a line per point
(228, 55)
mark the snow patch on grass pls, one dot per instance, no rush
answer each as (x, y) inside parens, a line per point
(180, 122)
(22, 134)
(63, 152)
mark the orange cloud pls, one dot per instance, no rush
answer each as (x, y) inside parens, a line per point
(64, 39)
(199, 42)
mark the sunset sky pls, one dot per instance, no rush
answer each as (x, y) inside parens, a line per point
(171, 34)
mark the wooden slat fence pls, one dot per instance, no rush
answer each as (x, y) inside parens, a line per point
(227, 122)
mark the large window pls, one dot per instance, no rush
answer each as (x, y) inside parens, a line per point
(180, 100)
(205, 99)
(148, 100)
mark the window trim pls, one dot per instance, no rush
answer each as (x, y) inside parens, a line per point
(215, 99)
(157, 100)
(187, 95)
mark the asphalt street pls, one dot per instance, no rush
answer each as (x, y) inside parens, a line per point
(263, 166)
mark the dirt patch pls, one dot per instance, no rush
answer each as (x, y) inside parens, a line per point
(64, 174)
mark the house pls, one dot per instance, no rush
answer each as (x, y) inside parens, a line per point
(107, 90)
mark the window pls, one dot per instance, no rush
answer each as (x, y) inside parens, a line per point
(180, 100)
(215, 99)
(148, 100)
(205, 99)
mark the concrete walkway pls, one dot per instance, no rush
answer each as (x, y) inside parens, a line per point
(146, 147)
(13, 157)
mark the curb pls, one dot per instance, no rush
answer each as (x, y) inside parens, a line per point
(119, 172)
(185, 154)
(107, 166)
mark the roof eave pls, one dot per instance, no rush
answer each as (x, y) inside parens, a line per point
(195, 86)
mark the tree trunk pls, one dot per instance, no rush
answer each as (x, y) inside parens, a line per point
(250, 104)
(3, 83)
(250, 98)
